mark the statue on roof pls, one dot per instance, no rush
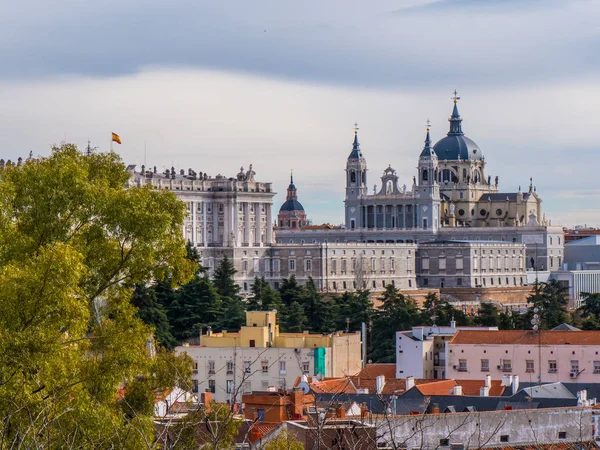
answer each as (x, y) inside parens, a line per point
(250, 174)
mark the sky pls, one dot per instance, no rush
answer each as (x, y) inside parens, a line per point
(218, 85)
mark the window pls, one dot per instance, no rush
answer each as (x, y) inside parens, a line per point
(552, 367)
(425, 281)
(247, 368)
(575, 366)
(252, 343)
(212, 387)
(596, 366)
(442, 262)
(374, 284)
(485, 365)
(425, 264)
(247, 387)
(305, 367)
(504, 438)
(308, 265)
(562, 434)
(445, 442)
(282, 370)
(529, 366)
(256, 265)
(333, 266)
(244, 266)
(276, 265)
(229, 386)
(506, 365)
(459, 281)
(462, 365)
(292, 265)
(229, 367)
(211, 367)
(392, 264)
(264, 366)
(459, 263)
(195, 386)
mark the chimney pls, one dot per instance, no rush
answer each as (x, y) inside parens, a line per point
(484, 391)
(506, 380)
(488, 381)
(457, 390)
(435, 408)
(515, 384)
(206, 399)
(297, 404)
(340, 413)
(379, 383)
(410, 383)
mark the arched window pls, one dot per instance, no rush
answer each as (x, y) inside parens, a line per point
(364, 180)
(444, 175)
(464, 174)
(353, 177)
(476, 176)
(425, 175)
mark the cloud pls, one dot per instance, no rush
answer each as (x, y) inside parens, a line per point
(215, 122)
(351, 42)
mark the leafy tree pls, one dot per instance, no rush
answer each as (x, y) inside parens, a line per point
(224, 281)
(590, 307)
(264, 298)
(488, 315)
(197, 305)
(284, 441)
(551, 301)
(154, 314)
(72, 240)
(290, 291)
(294, 319)
(396, 313)
(355, 306)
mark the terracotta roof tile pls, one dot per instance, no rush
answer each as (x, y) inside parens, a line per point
(472, 387)
(527, 337)
(442, 387)
(374, 370)
(554, 446)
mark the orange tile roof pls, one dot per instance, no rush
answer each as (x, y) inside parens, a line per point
(527, 337)
(554, 446)
(442, 387)
(374, 370)
(472, 387)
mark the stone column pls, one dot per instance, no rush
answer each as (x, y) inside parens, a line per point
(258, 224)
(204, 223)
(236, 222)
(226, 224)
(269, 236)
(215, 220)
(246, 223)
(194, 229)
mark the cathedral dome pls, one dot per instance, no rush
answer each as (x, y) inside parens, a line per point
(456, 145)
(291, 205)
(451, 148)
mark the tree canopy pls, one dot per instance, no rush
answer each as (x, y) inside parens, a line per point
(72, 241)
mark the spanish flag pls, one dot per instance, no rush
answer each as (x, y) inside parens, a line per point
(116, 138)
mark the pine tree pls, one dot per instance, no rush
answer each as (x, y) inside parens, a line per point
(154, 314)
(294, 319)
(224, 281)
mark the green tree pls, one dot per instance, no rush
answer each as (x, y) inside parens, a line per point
(224, 281)
(284, 441)
(356, 307)
(154, 314)
(290, 291)
(396, 313)
(488, 315)
(72, 241)
(264, 298)
(551, 302)
(197, 305)
(590, 306)
(294, 319)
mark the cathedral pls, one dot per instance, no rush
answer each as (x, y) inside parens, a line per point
(451, 189)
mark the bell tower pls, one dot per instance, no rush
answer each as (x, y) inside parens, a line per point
(356, 184)
(428, 187)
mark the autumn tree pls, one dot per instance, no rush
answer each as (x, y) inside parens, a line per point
(72, 242)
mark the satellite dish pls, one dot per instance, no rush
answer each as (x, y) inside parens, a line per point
(304, 386)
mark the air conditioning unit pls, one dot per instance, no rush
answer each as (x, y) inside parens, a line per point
(573, 374)
(499, 366)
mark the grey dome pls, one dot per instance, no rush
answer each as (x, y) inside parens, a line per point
(456, 145)
(451, 148)
(291, 205)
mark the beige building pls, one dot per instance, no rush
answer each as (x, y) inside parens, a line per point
(259, 357)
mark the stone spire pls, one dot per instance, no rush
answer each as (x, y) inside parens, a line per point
(427, 150)
(355, 153)
(455, 119)
(291, 190)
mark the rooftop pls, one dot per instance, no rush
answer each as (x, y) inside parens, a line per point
(526, 337)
